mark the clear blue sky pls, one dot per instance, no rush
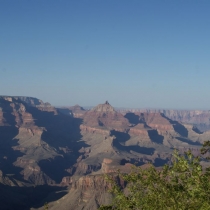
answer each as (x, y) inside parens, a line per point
(134, 53)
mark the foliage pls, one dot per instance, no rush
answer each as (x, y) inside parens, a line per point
(46, 206)
(206, 148)
(183, 185)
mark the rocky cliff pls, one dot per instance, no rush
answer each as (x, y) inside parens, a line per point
(76, 111)
(199, 118)
(44, 145)
(104, 116)
(36, 140)
(86, 193)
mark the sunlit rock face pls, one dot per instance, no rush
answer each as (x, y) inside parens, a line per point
(104, 116)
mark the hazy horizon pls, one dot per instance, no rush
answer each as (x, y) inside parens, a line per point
(133, 53)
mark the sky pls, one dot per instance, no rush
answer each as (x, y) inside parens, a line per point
(133, 53)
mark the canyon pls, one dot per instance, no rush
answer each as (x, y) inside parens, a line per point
(60, 155)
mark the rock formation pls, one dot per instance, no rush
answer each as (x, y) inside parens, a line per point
(76, 111)
(104, 116)
(199, 118)
(72, 148)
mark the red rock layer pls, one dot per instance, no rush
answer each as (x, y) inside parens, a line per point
(104, 115)
(88, 129)
(139, 130)
(157, 121)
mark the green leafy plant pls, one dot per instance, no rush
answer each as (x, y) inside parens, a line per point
(46, 206)
(182, 185)
(206, 148)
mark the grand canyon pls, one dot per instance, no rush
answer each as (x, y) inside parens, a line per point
(59, 155)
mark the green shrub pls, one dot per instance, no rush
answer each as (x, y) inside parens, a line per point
(183, 185)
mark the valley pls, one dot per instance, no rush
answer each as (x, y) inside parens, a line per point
(59, 155)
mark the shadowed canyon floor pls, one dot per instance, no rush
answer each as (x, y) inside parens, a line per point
(63, 153)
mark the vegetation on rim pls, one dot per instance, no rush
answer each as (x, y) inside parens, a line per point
(183, 185)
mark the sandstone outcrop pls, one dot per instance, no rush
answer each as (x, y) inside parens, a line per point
(87, 193)
(88, 129)
(105, 116)
(157, 121)
(139, 130)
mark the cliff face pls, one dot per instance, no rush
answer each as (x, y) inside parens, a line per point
(30, 101)
(35, 140)
(195, 117)
(199, 118)
(76, 111)
(157, 121)
(104, 116)
(139, 130)
(42, 145)
(135, 138)
(87, 193)
(89, 129)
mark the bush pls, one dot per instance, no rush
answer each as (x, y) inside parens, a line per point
(182, 185)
